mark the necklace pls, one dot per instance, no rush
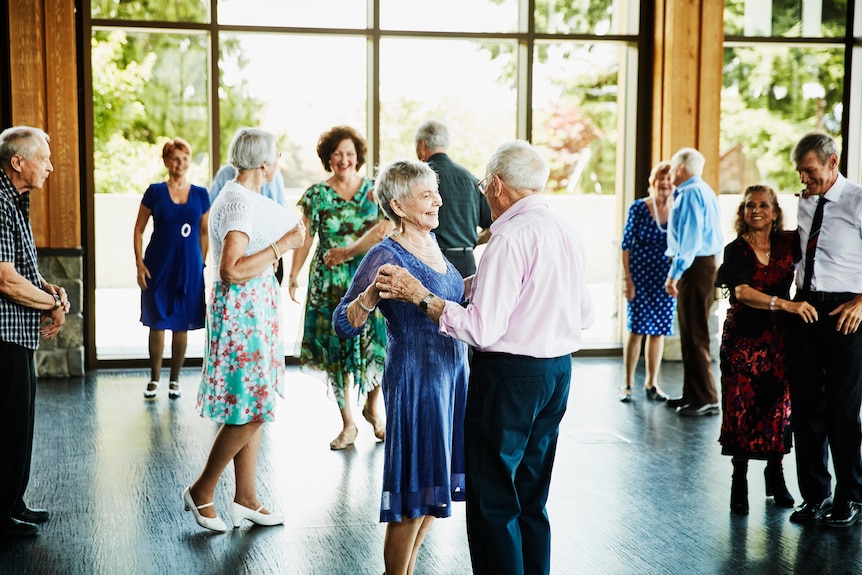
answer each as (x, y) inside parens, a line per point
(748, 239)
(655, 218)
(424, 254)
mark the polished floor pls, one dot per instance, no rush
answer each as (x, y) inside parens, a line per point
(636, 490)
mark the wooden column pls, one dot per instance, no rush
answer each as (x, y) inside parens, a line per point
(44, 78)
(689, 49)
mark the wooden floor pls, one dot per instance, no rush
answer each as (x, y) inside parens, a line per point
(636, 490)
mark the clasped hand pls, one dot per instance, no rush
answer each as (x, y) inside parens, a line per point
(395, 282)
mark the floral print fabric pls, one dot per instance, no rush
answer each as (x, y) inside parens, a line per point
(244, 364)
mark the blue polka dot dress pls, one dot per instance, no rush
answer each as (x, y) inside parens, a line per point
(651, 311)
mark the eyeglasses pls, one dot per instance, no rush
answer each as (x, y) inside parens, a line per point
(484, 182)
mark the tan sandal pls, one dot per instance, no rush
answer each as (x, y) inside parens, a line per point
(379, 428)
(344, 439)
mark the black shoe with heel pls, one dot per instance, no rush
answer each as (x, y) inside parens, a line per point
(773, 477)
(739, 487)
(626, 393)
(655, 394)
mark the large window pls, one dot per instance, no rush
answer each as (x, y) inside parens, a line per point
(785, 67)
(560, 77)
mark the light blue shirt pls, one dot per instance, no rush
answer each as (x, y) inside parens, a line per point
(694, 225)
(273, 190)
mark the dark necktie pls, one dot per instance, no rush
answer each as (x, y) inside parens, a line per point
(811, 246)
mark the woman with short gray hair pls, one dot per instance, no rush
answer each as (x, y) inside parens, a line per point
(425, 376)
(244, 359)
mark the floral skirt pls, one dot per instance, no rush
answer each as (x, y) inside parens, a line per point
(244, 364)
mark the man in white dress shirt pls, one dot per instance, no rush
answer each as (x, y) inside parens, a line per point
(825, 357)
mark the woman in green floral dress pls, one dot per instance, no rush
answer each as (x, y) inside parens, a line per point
(343, 214)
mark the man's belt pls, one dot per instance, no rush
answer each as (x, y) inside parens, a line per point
(827, 296)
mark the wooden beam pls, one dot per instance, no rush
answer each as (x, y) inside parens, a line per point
(689, 37)
(43, 74)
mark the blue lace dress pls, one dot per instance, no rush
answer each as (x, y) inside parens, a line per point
(424, 390)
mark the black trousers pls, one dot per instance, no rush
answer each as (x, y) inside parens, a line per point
(695, 299)
(826, 396)
(514, 408)
(17, 404)
(463, 260)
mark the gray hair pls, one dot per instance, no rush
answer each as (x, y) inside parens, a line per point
(396, 182)
(821, 144)
(691, 159)
(520, 165)
(434, 133)
(20, 141)
(250, 148)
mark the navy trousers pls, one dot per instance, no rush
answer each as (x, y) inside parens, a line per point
(826, 395)
(17, 403)
(514, 407)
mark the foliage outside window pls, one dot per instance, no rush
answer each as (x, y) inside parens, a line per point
(774, 92)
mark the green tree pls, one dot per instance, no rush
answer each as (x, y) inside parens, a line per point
(579, 130)
(149, 87)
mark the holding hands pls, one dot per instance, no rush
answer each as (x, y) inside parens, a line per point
(395, 282)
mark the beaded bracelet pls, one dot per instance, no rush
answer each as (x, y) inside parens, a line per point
(772, 303)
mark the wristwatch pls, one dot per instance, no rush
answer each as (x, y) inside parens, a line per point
(57, 303)
(423, 305)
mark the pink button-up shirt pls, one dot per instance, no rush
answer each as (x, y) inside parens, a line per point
(530, 294)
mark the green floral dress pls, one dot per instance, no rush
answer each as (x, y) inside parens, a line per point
(337, 222)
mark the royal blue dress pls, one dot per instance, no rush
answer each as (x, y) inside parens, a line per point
(174, 299)
(651, 311)
(424, 391)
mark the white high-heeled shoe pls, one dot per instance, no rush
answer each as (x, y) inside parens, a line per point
(212, 523)
(238, 513)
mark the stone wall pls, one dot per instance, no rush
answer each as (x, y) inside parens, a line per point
(63, 356)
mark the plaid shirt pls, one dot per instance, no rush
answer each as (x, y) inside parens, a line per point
(18, 324)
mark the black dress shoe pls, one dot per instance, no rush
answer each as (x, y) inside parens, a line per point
(808, 512)
(655, 394)
(14, 528)
(32, 515)
(697, 410)
(676, 402)
(843, 515)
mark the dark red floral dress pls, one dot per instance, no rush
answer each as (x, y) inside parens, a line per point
(755, 397)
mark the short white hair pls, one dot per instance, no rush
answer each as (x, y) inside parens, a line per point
(520, 165)
(691, 159)
(250, 148)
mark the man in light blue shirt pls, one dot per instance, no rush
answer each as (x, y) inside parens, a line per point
(273, 190)
(693, 240)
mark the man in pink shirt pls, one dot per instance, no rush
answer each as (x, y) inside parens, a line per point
(528, 306)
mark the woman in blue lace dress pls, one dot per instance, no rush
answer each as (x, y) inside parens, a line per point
(645, 267)
(425, 376)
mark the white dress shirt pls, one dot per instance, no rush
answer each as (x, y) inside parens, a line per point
(838, 256)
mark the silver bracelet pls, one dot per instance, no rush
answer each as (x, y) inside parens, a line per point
(772, 303)
(358, 300)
